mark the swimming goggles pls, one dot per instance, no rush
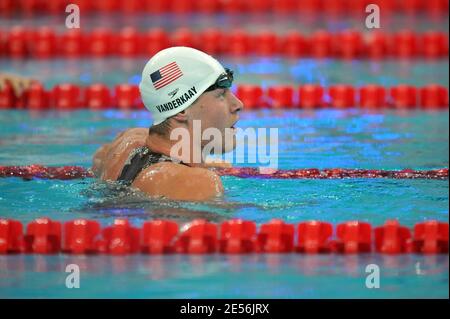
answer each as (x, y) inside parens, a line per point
(223, 82)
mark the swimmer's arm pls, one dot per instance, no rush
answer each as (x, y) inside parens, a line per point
(18, 83)
(216, 162)
(178, 182)
(104, 151)
(98, 161)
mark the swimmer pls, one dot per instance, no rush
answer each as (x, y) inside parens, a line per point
(179, 85)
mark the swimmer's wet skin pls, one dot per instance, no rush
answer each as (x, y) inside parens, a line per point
(179, 85)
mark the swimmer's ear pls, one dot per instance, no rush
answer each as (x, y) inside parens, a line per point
(181, 116)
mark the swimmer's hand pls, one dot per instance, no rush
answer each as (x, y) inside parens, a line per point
(217, 163)
(19, 83)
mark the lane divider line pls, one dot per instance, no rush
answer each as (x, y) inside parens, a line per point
(236, 236)
(98, 96)
(20, 42)
(330, 8)
(36, 171)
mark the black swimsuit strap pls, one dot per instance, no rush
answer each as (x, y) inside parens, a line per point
(138, 160)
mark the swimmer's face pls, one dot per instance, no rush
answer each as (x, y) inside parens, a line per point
(218, 109)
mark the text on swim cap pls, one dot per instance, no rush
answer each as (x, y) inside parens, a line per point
(178, 101)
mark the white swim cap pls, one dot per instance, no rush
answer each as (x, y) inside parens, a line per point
(174, 78)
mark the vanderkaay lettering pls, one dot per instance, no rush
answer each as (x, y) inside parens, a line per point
(178, 101)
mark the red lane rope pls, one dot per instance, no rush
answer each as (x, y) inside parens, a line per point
(45, 43)
(75, 172)
(327, 7)
(334, 173)
(99, 96)
(82, 236)
(45, 172)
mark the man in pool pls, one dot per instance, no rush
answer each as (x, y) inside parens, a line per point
(179, 85)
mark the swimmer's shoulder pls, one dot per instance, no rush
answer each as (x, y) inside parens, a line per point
(110, 158)
(179, 182)
(137, 134)
(130, 135)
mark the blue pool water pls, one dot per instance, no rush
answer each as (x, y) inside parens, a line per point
(222, 276)
(326, 138)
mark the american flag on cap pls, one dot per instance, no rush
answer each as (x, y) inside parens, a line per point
(166, 75)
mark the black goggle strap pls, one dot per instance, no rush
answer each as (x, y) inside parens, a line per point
(224, 81)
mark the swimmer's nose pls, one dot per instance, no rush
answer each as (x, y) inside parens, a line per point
(236, 104)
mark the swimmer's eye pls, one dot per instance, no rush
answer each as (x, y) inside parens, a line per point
(222, 92)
